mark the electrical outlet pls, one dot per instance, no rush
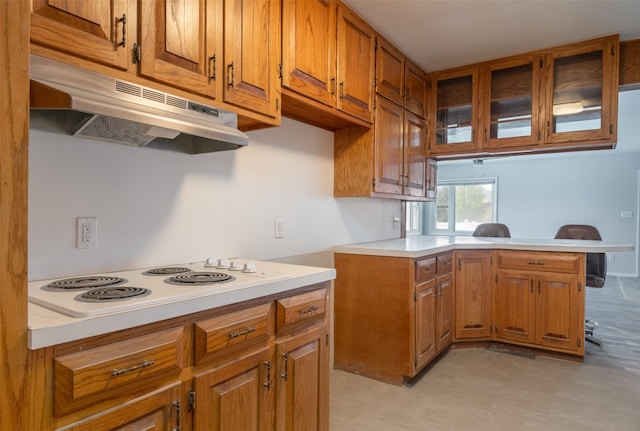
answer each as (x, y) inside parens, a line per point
(86, 232)
(277, 229)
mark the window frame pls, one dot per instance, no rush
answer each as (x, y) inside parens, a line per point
(451, 230)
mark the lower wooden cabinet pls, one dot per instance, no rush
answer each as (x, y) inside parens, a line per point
(389, 315)
(473, 294)
(444, 302)
(540, 300)
(254, 366)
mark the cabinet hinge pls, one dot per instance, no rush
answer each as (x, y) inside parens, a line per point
(611, 128)
(277, 105)
(539, 135)
(373, 183)
(540, 63)
(137, 55)
(415, 361)
(613, 50)
(496, 278)
(375, 85)
(280, 73)
(192, 400)
(579, 342)
(415, 297)
(326, 339)
(375, 45)
(579, 286)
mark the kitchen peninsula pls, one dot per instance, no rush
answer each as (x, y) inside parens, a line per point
(401, 302)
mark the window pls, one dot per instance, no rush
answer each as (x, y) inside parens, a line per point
(461, 205)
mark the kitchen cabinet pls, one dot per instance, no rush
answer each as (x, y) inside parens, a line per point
(97, 30)
(550, 100)
(398, 79)
(444, 301)
(181, 44)
(252, 365)
(391, 302)
(252, 55)
(386, 161)
(540, 300)
(473, 294)
(328, 60)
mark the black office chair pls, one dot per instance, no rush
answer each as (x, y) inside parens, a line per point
(496, 230)
(596, 267)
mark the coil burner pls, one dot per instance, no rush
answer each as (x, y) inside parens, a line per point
(199, 278)
(118, 293)
(167, 270)
(88, 282)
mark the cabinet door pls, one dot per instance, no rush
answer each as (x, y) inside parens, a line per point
(444, 312)
(415, 155)
(181, 44)
(415, 89)
(582, 92)
(390, 65)
(560, 311)
(432, 179)
(513, 103)
(473, 295)
(455, 106)
(309, 48)
(389, 143)
(302, 382)
(251, 54)
(238, 395)
(425, 322)
(95, 30)
(158, 411)
(356, 59)
(515, 316)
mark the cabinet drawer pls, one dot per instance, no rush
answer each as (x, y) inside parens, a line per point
(425, 269)
(300, 309)
(547, 261)
(233, 331)
(443, 264)
(117, 369)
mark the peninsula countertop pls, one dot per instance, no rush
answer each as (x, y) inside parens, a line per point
(424, 245)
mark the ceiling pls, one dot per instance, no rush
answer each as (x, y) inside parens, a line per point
(441, 34)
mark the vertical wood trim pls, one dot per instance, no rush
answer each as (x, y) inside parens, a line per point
(630, 64)
(14, 105)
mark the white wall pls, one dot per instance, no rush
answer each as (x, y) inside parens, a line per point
(538, 194)
(157, 208)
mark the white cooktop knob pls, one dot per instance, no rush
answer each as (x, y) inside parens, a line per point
(235, 266)
(249, 267)
(212, 262)
(223, 264)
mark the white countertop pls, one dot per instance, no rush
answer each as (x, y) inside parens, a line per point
(419, 246)
(48, 328)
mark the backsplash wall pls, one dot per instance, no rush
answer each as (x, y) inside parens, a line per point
(159, 208)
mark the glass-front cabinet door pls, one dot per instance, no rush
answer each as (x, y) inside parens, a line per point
(512, 103)
(455, 101)
(582, 89)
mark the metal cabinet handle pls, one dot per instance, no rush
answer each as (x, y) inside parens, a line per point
(145, 364)
(285, 375)
(241, 333)
(176, 404)
(212, 67)
(232, 69)
(123, 20)
(268, 383)
(342, 90)
(309, 310)
(333, 86)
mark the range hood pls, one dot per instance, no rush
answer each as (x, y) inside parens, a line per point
(67, 99)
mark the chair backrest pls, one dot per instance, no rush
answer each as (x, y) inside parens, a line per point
(497, 230)
(596, 262)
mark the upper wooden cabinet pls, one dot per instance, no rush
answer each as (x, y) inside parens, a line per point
(309, 49)
(398, 79)
(252, 54)
(95, 30)
(181, 44)
(542, 101)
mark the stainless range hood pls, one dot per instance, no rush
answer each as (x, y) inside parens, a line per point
(75, 101)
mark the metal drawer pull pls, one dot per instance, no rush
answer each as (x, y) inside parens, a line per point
(145, 364)
(286, 366)
(268, 384)
(309, 310)
(241, 333)
(536, 262)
